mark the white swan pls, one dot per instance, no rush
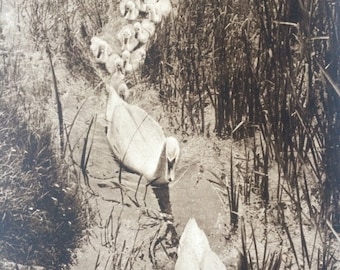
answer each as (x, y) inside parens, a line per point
(127, 38)
(149, 26)
(142, 33)
(118, 75)
(133, 61)
(129, 10)
(153, 13)
(100, 49)
(138, 141)
(194, 251)
(122, 4)
(158, 10)
(164, 7)
(113, 62)
(141, 4)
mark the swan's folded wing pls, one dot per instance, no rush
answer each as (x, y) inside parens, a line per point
(136, 139)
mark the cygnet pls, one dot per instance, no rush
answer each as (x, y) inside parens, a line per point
(126, 37)
(100, 49)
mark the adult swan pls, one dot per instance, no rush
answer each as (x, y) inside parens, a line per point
(139, 143)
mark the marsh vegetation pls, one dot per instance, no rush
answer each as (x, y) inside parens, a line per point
(256, 82)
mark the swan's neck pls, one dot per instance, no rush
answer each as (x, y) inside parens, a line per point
(161, 169)
(153, 14)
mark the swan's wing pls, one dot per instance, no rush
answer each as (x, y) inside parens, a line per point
(194, 239)
(149, 26)
(210, 260)
(164, 7)
(136, 139)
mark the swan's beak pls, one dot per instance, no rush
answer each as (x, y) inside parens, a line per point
(120, 69)
(171, 170)
(126, 12)
(100, 52)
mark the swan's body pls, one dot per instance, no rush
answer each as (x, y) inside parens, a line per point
(129, 10)
(133, 61)
(118, 76)
(142, 34)
(126, 36)
(164, 7)
(100, 49)
(194, 251)
(158, 10)
(138, 141)
(149, 26)
(141, 5)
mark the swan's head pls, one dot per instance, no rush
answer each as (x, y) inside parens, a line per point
(141, 55)
(129, 6)
(172, 155)
(126, 56)
(95, 41)
(96, 47)
(137, 26)
(123, 91)
(150, 8)
(101, 51)
(126, 34)
(120, 65)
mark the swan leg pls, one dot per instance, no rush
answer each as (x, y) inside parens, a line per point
(145, 193)
(139, 180)
(166, 233)
(120, 182)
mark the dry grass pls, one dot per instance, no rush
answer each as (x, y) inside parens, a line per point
(41, 214)
(39, 211)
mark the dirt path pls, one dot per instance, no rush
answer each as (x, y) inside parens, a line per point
(191, 196)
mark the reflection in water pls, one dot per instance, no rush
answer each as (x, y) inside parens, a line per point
(163, 197)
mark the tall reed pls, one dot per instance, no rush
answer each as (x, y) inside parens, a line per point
(265, 64)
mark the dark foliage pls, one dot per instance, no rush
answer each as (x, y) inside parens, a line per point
(40, 215)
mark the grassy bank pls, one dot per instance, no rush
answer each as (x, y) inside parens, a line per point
(40, 211)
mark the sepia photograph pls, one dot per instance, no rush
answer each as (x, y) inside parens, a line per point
(169, 134)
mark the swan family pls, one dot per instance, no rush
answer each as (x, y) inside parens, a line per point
(139, 143)
(136, 139)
